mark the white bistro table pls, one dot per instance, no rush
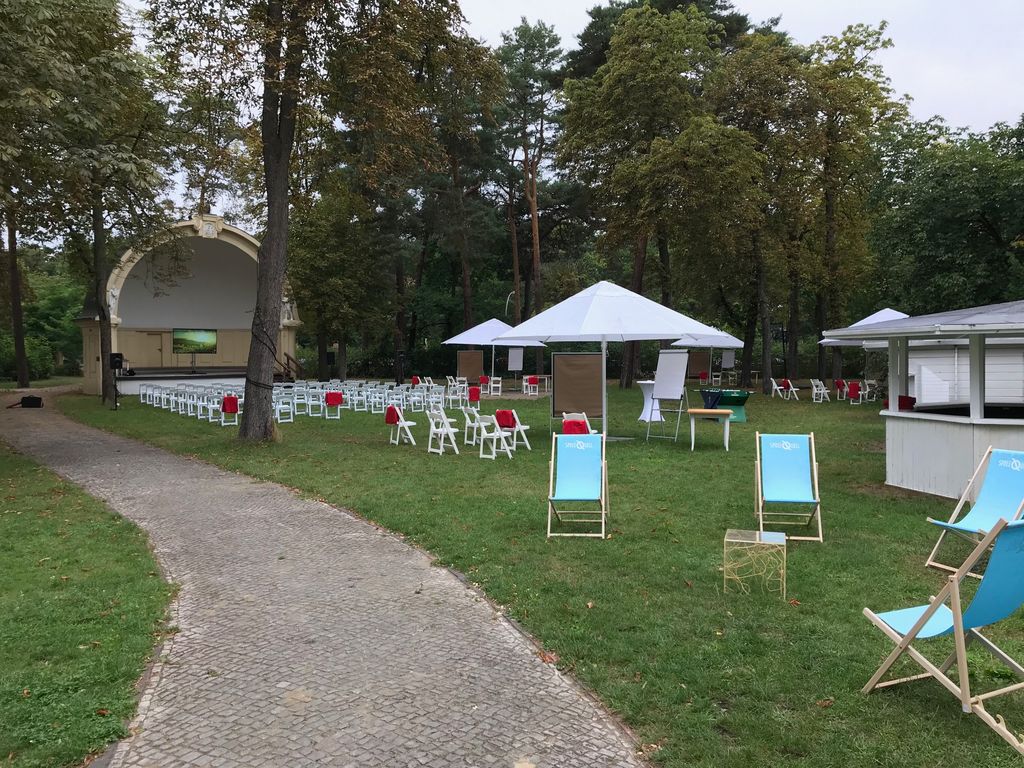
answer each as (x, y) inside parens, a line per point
(651, 411)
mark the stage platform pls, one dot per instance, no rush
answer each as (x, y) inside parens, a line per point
(168, 377)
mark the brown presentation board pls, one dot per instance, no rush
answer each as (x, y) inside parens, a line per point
(576, 382)
(471, 364)
(699, 361)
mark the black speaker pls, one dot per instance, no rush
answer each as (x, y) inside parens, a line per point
(116, 361)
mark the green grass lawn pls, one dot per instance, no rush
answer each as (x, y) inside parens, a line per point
(710, 679)
(53, 381)
(81, 602)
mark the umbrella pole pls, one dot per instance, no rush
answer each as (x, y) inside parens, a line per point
(604, 389)
(492, 362)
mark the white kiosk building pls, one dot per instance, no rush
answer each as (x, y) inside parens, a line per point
(967, 369)
(212, 287)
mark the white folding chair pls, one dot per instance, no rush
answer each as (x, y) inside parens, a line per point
(471, 429)
(400, 426)
(494, 436)
(442, 431)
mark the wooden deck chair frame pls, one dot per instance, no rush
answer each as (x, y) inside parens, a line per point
(961, 689)
(809, 519)
(932, 560)
(578, 516)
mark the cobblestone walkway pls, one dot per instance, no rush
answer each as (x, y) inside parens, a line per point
(309, 638)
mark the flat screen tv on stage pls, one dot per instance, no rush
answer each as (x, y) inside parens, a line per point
(193, 341)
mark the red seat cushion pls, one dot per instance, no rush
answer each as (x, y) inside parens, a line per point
(229, 404)
(505, 419)
(907, 402)
(703, 375)
(532, 380)
(574, 427)
(853, 389)
(474, 394)
(785, 383)
(485, 380)
(415, 381)
(391, 415)
(840, 384)
(333, 398)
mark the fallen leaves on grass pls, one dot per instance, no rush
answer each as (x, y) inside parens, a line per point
(548, 657)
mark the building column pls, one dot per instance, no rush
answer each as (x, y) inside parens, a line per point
(977, 376)
(898, 370)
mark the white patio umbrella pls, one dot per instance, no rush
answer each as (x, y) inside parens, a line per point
(605, 312)
(881, 316)
(486, 334)
(719, 340)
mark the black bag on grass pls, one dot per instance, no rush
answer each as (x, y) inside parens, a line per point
(29, 401)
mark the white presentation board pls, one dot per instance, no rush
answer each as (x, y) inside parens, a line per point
(515, 359)
(670, 378)
(729, 358)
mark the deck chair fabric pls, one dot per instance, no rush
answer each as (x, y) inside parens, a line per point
(1000, 595)
(1001, 496)
(786, 473)
(578, 474)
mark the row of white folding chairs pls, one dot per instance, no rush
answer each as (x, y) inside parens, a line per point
(202, 401)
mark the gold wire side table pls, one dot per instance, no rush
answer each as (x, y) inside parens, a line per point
(754, 557)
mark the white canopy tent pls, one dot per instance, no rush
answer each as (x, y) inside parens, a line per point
(606, 312)
(486, 335)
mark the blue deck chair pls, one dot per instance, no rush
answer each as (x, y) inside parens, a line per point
(1001, 496)
(1000, 595)
(579, 474)
(786, 473)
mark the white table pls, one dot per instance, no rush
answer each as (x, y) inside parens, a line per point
(651, 411)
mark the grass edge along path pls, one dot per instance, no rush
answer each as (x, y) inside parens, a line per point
(82, 606)
(704, 679)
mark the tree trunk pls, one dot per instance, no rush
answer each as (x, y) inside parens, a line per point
(793, 325)
(530, 172)
(421, 266)
(460, 212)
(837, 363)
(513, 231)
(831, 239)
(322, 366)
(762, 311)
(343, 357)
(820, 318)
(400, 322)
(749, 336)
(636, 284)
(277, 129)
(14, 286)
(665, 262)
(100, 276)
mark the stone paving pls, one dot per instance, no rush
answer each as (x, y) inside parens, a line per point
(307, 637)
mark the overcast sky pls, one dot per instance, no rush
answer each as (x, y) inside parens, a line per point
(961, 60)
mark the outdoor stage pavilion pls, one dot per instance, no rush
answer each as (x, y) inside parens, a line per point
(210, 283)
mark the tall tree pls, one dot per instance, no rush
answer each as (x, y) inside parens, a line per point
(281, 44)
(647, 93)
(531, 59)
(853, 99)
